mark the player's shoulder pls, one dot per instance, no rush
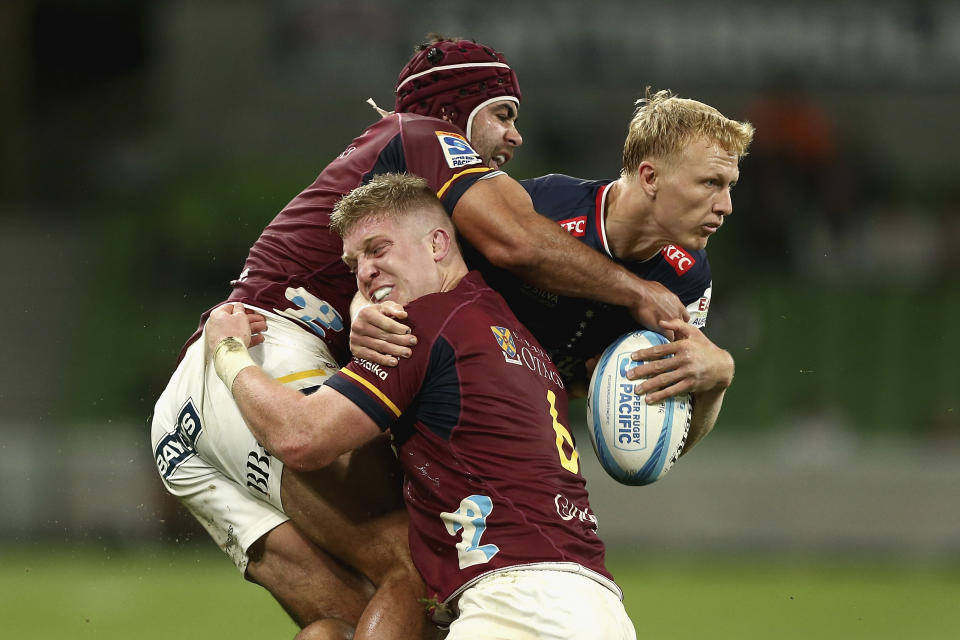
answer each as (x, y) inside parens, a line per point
(556, 194)
(472, 301)
(562, 182)
(413, 123)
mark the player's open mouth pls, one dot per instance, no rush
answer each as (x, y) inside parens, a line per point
(380, 293)
(500, 159)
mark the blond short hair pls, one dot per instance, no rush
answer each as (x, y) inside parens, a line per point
(387, 195)
(663, 125)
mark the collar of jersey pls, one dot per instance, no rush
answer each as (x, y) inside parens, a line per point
(601, 217)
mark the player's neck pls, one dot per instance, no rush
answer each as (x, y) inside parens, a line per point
(631, 232)
(452, 275)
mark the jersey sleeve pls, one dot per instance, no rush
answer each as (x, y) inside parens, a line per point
(384, 394)
(439, 153)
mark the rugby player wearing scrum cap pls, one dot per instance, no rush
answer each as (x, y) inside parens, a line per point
(322, 542)
(464, 83)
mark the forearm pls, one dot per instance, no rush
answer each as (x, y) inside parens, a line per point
(551, 259)
(497, 217)
(274, 414)
(278, 416)
(706, 409)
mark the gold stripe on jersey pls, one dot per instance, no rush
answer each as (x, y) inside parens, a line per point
(300, 375)
(446, 185)
(373, 390)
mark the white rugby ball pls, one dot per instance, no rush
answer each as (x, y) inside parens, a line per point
(636, 443)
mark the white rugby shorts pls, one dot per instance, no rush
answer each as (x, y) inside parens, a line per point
(532, 604)
(204, 452)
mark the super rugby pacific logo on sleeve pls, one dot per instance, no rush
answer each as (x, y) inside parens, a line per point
(457, 150)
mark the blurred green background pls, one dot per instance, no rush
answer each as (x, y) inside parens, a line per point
(90, 593)
(145, 144)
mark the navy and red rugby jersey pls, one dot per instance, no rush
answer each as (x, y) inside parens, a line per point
(573, 330)
(479, 417)
(295, 269)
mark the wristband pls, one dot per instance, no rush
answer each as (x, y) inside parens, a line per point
(229, 359)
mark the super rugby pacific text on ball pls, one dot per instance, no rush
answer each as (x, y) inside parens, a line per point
(636, 443)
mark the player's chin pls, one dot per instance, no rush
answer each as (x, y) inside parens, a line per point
(497, 160)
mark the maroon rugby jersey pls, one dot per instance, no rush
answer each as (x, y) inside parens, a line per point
(295, 268)
(479, 417)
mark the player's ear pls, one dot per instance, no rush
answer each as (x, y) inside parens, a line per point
(648, 174)
(440, 244)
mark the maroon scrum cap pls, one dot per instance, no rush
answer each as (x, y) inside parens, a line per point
(453, 80)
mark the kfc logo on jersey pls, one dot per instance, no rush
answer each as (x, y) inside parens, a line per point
(680, 260)
(457, 150)
(575, 226)
(507, 346)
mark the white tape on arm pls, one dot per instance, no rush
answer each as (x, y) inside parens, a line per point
(229, 359)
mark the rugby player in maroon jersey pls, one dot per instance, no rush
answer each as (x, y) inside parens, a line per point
(500, 522)
(318, 568)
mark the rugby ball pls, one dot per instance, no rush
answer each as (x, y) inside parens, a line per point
(636, 443)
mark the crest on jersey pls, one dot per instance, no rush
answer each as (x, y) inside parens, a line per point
(457, 150)
(507, 346)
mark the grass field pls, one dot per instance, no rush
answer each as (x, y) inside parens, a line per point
(193, 592)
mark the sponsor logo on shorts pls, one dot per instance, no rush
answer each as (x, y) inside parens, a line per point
(575, 226)
(457, 150)
(679, 259)
(258, 470)
(177, 447)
